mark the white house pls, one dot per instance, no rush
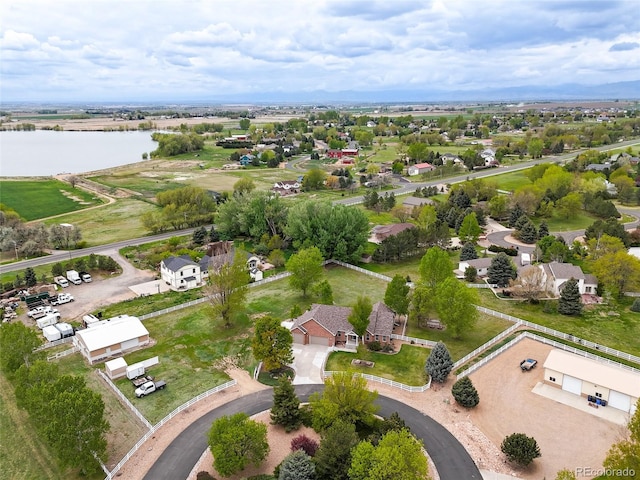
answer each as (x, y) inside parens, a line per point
(450, 158)
(419, 168)
(557, 274)
(481, 265)
(111, 338)
(182, 273)
(253, 262)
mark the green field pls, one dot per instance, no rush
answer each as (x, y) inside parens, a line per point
(34, 199)
(511, 181)
(406, 366)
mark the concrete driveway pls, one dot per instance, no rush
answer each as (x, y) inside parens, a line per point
(307, 363)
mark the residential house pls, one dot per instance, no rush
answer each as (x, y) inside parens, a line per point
(247, 159)
(382, 232)
(411, 202)
(481, 265)
(181, 273)
(489, 157)
(286, 187)
(329, 325)
(345, 152)
(450, 158)
(419, 168)
(598, 167)
(557, 274)
(253, 264)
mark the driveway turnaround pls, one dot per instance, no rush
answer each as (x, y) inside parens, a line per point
(449, 456)
(308, 362)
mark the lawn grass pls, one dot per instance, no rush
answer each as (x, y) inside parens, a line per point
(486, 328)
(34, 199)
(406, 366)
(511, 181)
(142, 305)
(111, 223)
(559, 223)
(612, 325)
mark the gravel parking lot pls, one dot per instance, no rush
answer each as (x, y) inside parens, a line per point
(568, 438)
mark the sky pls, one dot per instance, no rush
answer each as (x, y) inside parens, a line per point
(147, 50)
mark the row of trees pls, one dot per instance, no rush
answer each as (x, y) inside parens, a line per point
(181, 208)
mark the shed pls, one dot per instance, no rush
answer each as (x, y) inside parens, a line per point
(592, 379)
(113, 337)
(115, 368)
(51, 333)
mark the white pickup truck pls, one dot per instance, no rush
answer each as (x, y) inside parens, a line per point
(61, 299)
(40, 312)
(149, 387)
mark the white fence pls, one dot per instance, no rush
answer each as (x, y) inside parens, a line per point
(62, 354)
(55, 343)
(417, 341)
(361, 270)
(386, 381)
(487, 345)
(124, 399)
(491, 356)
(153, 429)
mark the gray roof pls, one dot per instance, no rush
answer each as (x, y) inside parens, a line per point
(335, 319)
(561, 271)
(176, 263)
(417, 201)
(204, 263)
(590, 279)
(479, 262)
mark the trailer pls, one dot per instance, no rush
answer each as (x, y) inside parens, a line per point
(65, 330)
(90, 320)
(50, 319)
(51, 333)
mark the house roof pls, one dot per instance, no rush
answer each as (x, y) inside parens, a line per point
(590, 279)
(423, 165)
(593, 371)
(384, 231)
(116, 330)
(417, 201)
(565, 271)
(334, 319)
(479, 262)
(116, 363)
(204, 263)
(176, 263)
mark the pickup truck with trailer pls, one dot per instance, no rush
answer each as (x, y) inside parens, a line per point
(86, 277)
(528, 364)
(61, 299)
(74, 277)
(149, 387)
(40, 312)
(63, 282)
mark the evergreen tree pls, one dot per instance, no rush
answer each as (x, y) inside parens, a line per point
(543, 230)
(520, 449)
(297, 466)
(334, 453)
(286, 406)
(439, 363)
(515, 214)
(470, 274)
(30, 278)
(570, 302)
(501, 270)
(468, 252)
(214, 236)
(200, 236)
(528, 233)
(465, 393)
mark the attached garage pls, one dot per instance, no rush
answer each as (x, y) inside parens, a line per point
(298, 337)
(572, 384)
(618, 387)
(620, 401)
(316, 340)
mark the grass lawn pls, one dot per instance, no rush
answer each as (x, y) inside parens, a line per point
(561, 224)
(406, 366)
(382, 218)
(35, 199)
(387, 153)
(111, 223)
(143, 305)
(511, 181)
(612, 325)
(486, 328)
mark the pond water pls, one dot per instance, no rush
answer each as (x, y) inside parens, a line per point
(46, 152)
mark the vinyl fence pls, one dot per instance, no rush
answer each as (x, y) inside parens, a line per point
(53, 344)
(62, 354)
(361, 270)
(486, 346)
(153, 429)
(124, 399)
(417, 341)
(386, 381)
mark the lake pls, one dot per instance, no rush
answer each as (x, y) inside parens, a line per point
(46, 152)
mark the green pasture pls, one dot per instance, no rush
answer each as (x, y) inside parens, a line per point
(406, 366)
(34, 199)
(511, 181)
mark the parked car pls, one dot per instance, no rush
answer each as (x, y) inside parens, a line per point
(60, 299)
(528, 364)
(149, 387)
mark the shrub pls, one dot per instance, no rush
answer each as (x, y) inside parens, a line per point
(204, 476)
(465, 393)
(512, 252)
(374, 346)
(302, 442)
(520, 449)
(636, 305)
(439, 363)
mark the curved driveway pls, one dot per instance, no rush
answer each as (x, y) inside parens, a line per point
(449, 456)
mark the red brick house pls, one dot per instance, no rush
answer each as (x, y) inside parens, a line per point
(345, 152)
(328, 325)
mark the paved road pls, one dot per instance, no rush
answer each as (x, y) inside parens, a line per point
(449, 456)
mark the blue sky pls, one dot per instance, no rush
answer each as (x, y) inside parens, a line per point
(95, 50)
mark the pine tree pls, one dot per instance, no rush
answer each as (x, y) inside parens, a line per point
(528, 233)
(501, 270)
(570, 302)
(439, 363)
(543, 230)
(286, 406)
(30, 278)
(468, 252)
(465, 393)
(297, 466)
(515, 214)
(520, 449)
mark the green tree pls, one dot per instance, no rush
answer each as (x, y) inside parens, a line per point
(470, 274)
(243, 186)
(469, 230)
(334, 453)
(325, 292)
(455, 304)
(527, 232)
(305, 268)
(359, 316)
(543, 230)
(439, 363)
(30, 278)
(465, 393)
(418, 151)
(435, 268)
(286, 406)
(272, 343)
(520, 449)
(422, 304)
(398, 455)
(566, 474)
(396, 296)
(200, 236)
(570, 302)
(17, 343)
(498, 207)
(569, 205)
(235, 442)
(245, 123)
(345, 397)
(297, 466)
(468, 252)
(501, 270)
(535, 146)
(314, 179)
(227, 288)
(626, 453)
(619, 272)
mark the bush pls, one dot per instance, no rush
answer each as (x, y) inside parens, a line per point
(520, 449)
(465, 393)
(512, 252)
(204, 476)
(636, 305)
(302, 442)
(374, 346)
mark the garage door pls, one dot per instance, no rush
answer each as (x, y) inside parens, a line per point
(572, 384)
(298, 338)
(314, 340)
(130, 344)
(619, 400)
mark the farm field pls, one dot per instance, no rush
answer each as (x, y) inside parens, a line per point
(34, 199)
